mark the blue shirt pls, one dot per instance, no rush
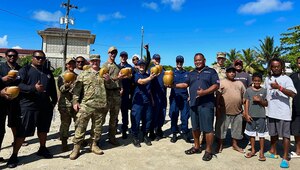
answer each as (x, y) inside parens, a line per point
(158, 88)
(142, 92)
(203, 79)
(180, 76)
(126, 83)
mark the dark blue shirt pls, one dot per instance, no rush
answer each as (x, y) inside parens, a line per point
(30, 98)
(203, 79)
(126, 83)
(158, 88)
(180, 76)
(142, 92)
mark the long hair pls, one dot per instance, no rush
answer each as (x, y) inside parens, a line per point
(282, 63)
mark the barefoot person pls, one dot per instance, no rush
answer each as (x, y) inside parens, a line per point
(279, 90)
(255, 115)
(229, 110)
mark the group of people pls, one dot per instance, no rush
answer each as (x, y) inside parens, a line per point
(228, 94)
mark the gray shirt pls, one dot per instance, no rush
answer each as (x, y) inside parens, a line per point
(244, 77)
(255, 109)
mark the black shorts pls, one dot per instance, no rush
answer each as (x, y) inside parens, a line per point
(295, 125)
(13, 112)
(202, 118)
(31, 119)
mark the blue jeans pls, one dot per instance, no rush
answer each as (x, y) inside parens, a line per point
(141, 113)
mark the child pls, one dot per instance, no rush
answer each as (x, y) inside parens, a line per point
(255, 115)
(229, 109)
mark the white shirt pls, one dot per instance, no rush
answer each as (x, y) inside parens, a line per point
(278, 102)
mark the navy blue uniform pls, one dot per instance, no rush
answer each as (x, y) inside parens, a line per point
(158, 91)
(125, 101)
(141, 106)
(202, 108)
(36, 107)
(179, 102)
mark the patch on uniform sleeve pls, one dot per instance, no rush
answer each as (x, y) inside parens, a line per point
(49, 76)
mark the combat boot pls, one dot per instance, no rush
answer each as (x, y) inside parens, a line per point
(75, 152)
(95, 149)
(64, 145)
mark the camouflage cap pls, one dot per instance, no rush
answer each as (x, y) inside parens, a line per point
(112, 48)
(95, 57)
(221, 55)
(69, 60)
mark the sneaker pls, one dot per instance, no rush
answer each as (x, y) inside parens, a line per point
(284, 164)
(147, 141)
(186, 138)
(44, 152)
(173, 138)
(152, 136)
(124, 135)
(114, 141)
(13, 161)
(1, 159)
(136, 143)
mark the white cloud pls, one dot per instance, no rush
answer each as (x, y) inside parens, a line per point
(250, 22)
(43, 15)
(176, 5)
(281, 19)
(106, 17)
(17, 47)
(150, 5)
(265, 6)
(83, 9)
(3, 41)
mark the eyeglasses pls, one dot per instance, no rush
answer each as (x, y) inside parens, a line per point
(39, 57)
(11, 56)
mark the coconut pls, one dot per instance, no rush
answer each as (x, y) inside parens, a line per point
(168, 78)
(13, 91)
(85, 67)
(103, 71)
(126, 71)
(69, 76)
(154, 70)
(160, 68)
(12, 73)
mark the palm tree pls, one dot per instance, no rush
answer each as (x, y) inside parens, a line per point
(232, 56)
(267, 50)
(251, 62)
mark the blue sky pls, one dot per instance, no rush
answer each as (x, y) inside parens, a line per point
(171, 27)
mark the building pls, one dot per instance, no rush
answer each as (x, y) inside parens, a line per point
(79, 42)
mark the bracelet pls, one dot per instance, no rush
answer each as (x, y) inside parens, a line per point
(281, 88)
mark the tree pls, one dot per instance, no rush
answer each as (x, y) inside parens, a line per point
(250, 61)
(267, 50)
(290, 43)
(232, 56)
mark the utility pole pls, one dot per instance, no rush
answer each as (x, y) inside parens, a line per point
(66, 20)
(142, 44)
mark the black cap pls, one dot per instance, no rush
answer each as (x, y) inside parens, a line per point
(124, 53)
(180, 58)
(230, 68)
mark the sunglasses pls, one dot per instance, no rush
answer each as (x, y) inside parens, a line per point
(134, 59)
(10, 56)
(39, 58)
(79, 61)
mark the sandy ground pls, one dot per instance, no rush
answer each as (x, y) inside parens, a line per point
(161, 155)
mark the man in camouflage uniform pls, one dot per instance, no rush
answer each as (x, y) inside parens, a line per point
(219, 66)
(65, 107)
(113, 89)
(89, 100)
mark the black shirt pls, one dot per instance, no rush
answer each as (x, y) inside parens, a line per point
(30, 98)
(296, 100)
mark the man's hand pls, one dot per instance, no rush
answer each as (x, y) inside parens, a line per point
(106, 77)
(8, 79)
(39, 87)
(248, 118)
(146, 47)
(4, 94)
(200, 92)
(76, 107)
(68, 84)
(257, 98)
(275, 85)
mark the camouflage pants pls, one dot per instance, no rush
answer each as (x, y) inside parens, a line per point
(113, 103)
(66, 115)
(83, 117)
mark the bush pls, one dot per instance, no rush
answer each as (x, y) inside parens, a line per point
(57, 72)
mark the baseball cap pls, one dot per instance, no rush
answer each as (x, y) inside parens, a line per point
(229, 68)
(179, 58)
(69, 60)
(221, 55)
(238, 61)
(140, 62)
(95, 57)
(135, 56)
(112, 48)
(80, 57)
(124, 53)
(156, 56)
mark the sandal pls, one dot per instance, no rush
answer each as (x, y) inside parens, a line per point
(249, 155)
(193, 150)
(262, 158)
(271, 155)
(207, 156)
